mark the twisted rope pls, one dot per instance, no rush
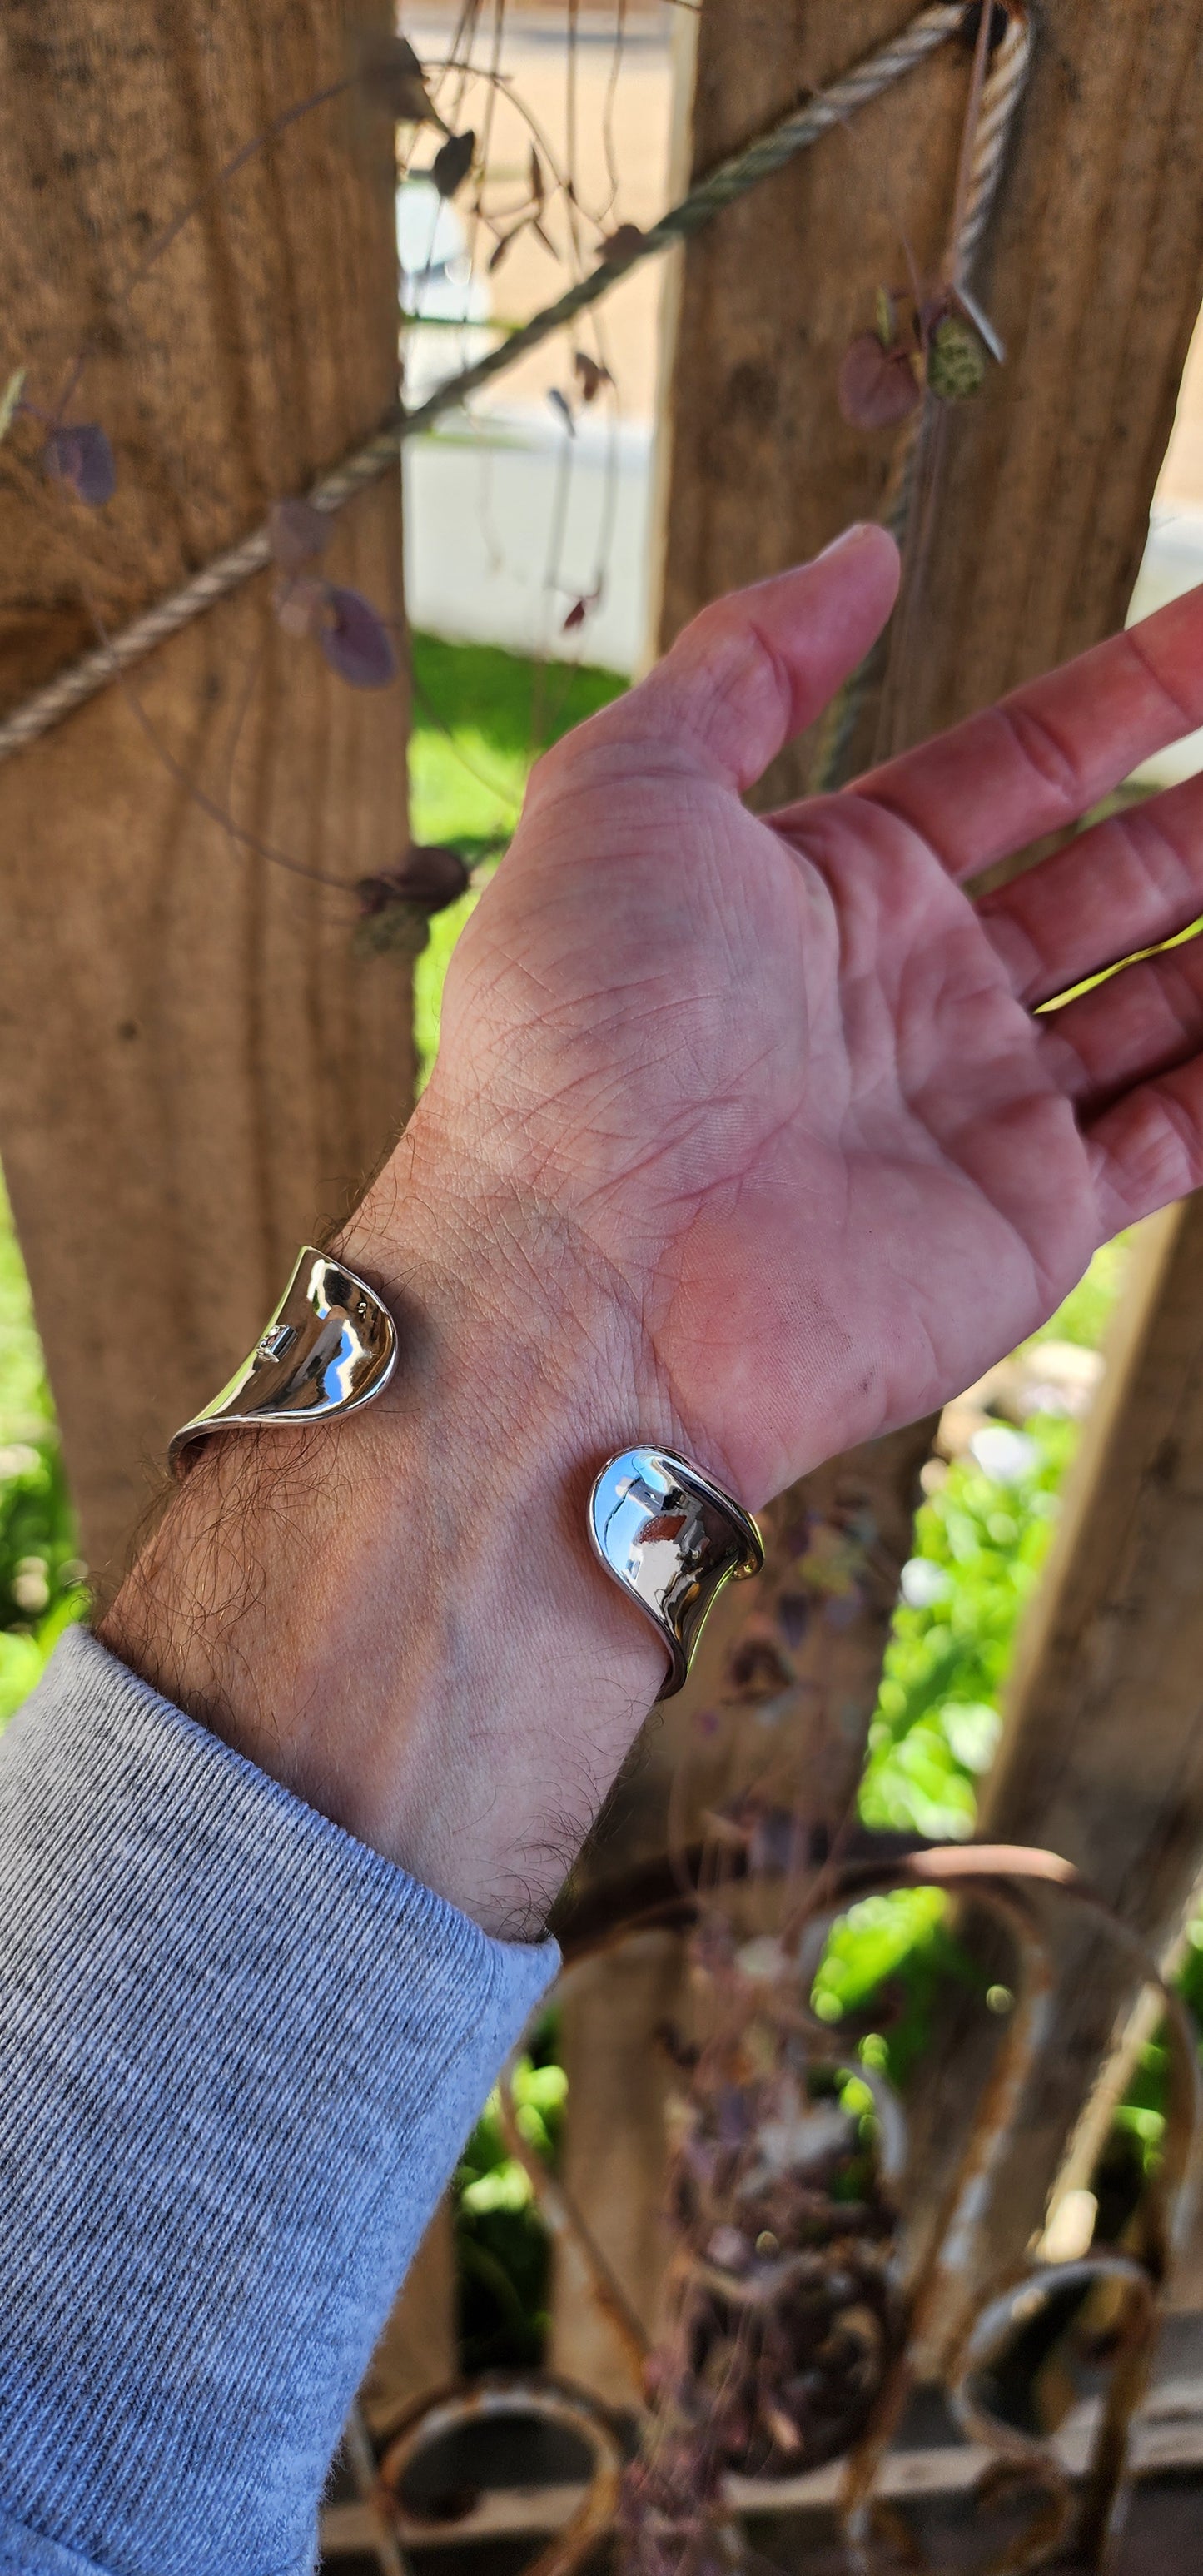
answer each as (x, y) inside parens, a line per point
(1001, 94)
(366, 464)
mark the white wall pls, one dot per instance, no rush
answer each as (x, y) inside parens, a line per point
(509, 519)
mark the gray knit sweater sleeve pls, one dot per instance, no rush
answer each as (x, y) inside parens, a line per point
(238, 2054)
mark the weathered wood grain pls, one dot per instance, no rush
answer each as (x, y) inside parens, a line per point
(195, 1072)
(1102, 1759)
(1092, 271)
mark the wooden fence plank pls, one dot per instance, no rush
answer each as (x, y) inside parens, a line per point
(1092, 271)
(1103, 1754)
(195, 1072)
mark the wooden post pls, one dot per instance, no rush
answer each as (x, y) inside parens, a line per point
(615, 2151)
(195, 1070)
(418, 2350)
(1093, 273)
(1102, 1758)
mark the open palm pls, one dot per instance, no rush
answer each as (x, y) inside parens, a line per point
(778, 1084)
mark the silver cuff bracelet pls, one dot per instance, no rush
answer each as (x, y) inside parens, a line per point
(330, 1347)
(671, 1539)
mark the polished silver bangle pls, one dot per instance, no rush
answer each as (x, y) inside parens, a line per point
(670, 1539)
(330, 1347)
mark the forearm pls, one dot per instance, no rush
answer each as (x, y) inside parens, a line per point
(398, 1615)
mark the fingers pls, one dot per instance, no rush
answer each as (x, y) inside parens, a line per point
(1138, 1025)
(757, 666)
(1043, 756)
(1126, 884)
(1127, 1054)
(1148, 1148)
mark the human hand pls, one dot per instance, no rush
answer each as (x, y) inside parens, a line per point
(771, 1095)
(746, 1137)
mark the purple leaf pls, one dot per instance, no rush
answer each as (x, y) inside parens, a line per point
(591, 373)
(430, 874)
(297, 533)
(877, 386)
(355, 640)
(80, 456)
(452, 162)
(621, 247)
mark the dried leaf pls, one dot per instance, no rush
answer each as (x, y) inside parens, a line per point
(576, 616)
(544, 237)
(354, 640)
(956, 360)
(452, 162)
(621, 247)
(591, 374)
(80, 456)
(297, 533)
(389, 73)
(538, 185)
(430, 874)
(497, 254)
(10, 399)
(877, 386)
(559, 402)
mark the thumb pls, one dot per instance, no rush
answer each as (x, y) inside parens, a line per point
(757, 666)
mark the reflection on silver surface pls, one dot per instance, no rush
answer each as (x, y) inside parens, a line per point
(671, 1539)
(330, 1347)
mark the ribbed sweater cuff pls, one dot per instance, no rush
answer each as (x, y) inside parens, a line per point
(238, 2053)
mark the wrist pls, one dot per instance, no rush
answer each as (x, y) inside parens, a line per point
(399, 1613)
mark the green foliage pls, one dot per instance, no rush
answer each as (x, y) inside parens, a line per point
(1086, 1312)
(981, 1543)
(41, 1589)
(501, 2242)
(479, 718)
(26, 1412)
(41, 1579)
(893, 1956)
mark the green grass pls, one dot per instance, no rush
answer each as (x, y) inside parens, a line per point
(40, 1586)
(480, 718)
